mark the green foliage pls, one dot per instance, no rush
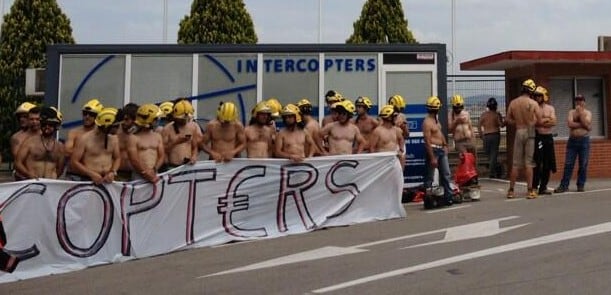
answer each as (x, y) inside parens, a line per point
(217, 22)
(381, 21)
(28, 28)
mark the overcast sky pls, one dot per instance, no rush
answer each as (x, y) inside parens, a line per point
(482, 27)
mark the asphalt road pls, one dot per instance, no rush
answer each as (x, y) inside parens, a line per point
(556, 244)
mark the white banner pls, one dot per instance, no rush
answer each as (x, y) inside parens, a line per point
(60, 226)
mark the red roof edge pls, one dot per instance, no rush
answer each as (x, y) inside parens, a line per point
(534, 56)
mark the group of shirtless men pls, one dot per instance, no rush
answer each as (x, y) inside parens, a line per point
(138, 142)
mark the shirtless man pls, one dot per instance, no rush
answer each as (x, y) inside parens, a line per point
(128, 127)
(332, 97)
(145, 147)
(89, 111)
(292, 141)
(523, 113)
(180, 138)
(24, 122)
(490, 124)
(259, 134)
(165, 116)
(276, 107)
(342, 134)
(387, 137)
(311, 125)
(224, 138)
(42, 156)
(364, 122)
(460, 126)
(96, 155)
(400, 120)
(436, 149)
(29, 122)
(579, 121)
(544, 156)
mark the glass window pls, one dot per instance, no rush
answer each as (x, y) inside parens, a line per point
(226, 77)
(563, 90)
(88, 76)
(157, 78)
(353, 75)
(291, 77)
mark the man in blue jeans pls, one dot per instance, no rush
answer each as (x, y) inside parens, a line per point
(579, 121)
(436, 149)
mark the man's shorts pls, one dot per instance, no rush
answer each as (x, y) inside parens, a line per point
(524, 148)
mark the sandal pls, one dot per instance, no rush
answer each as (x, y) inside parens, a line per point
(510, 194)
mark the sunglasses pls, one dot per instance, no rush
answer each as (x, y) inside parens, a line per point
(89, 114)
(46, 124)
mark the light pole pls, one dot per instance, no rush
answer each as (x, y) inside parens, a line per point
(453, 46)
(319, 21)
(165, 22)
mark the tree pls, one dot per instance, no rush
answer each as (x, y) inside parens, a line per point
(28, 28)
(381, 21)
(217, 22)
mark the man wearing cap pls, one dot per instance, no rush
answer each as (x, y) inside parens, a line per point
(42, 156)
(179, 137)
(436, 148)
(364, 121)
(32, 129)
(96, 155)
(331, 98)
(259, 134)
(145, 148)
(89, 112)
(387, 137)
(24, 122)
(544, 156)
(293, 141)
(342, 134)
(490, 124)
(311, 126)
(224, 138)
(579, 121)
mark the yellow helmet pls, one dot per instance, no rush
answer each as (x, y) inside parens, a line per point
(346, 105)
(227, 112)
(261, 107)
(540, 90)
(182, 109)
(387, 111)
(397, 101)
(433, 103)
(106, 117)
(24, 108)
(291, 109)
(146, 115)
(166, 107)
(529, 85)
(333, 96)
(275, 105)
(364, 101)
(304, 102)
(93, 105)
(50, 115)
(60, 116)
(457, 101)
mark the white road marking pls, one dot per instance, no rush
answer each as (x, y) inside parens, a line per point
(315, 254)
(557, 237)
(455, 207)
(471, 231)
(456, 233)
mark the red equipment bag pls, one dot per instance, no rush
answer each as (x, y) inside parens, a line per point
(466, 171)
